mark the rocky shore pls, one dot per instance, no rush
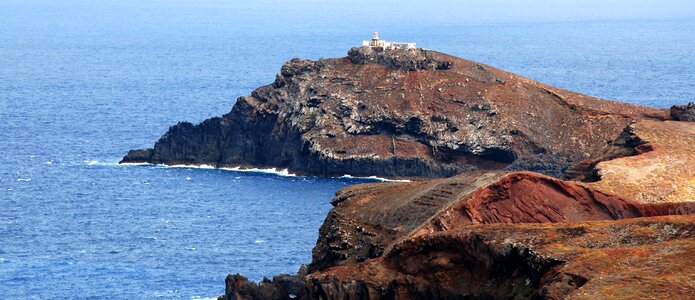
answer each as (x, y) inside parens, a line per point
(522, 190)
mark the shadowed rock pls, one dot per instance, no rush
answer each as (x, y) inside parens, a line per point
(684, 112)
(282, 287)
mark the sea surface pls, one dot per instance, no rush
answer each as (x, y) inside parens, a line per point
(82, 82)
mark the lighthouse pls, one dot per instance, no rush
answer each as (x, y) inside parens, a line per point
(375, 40)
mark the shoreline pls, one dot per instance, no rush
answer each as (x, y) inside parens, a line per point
(272, 171)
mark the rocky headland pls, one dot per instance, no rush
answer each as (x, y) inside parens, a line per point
(521, 190)
(400, 113)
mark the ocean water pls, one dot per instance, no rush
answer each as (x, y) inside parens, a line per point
(81, 82)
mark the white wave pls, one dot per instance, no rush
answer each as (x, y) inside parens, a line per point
(188, 178)
(347, 176)
(275, 171)
(50, 162)
(96, 162)
(259, 241)
(24, 179)
(281, 172)
(134, 164)
(203, 166)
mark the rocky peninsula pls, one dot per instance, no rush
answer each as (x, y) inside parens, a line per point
(521, 190)
(400, 113)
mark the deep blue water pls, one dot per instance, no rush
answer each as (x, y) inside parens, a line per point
(82, 82)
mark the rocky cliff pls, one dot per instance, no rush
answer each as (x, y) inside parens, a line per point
(400, 113)
(496, 234)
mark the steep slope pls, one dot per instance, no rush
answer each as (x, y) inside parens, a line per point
(400, 113)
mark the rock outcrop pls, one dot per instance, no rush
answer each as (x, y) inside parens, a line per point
(685, 112)
(400, 113)
(282, 287)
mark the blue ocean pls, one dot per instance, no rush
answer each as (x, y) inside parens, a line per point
(82, 82)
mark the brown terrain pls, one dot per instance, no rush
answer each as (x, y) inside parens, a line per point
(523, 190)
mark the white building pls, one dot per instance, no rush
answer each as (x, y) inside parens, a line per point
(376, 42)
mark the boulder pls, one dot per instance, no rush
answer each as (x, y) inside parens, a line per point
(685, 112)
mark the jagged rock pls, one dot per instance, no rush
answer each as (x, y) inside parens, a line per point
(406, 60)
(400, 113)
(282, 287)
(685, 112)
(135, 156)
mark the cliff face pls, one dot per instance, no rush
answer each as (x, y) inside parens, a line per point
(400, 113)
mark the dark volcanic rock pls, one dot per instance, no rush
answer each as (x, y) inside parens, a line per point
(400, 113)
(138, 156)
(406, 60)
(685, 112)
(282, 287)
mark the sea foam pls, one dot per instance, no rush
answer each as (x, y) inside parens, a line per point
(347, 176)
(274, 171)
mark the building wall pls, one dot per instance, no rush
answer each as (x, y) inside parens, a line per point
(390, 45)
